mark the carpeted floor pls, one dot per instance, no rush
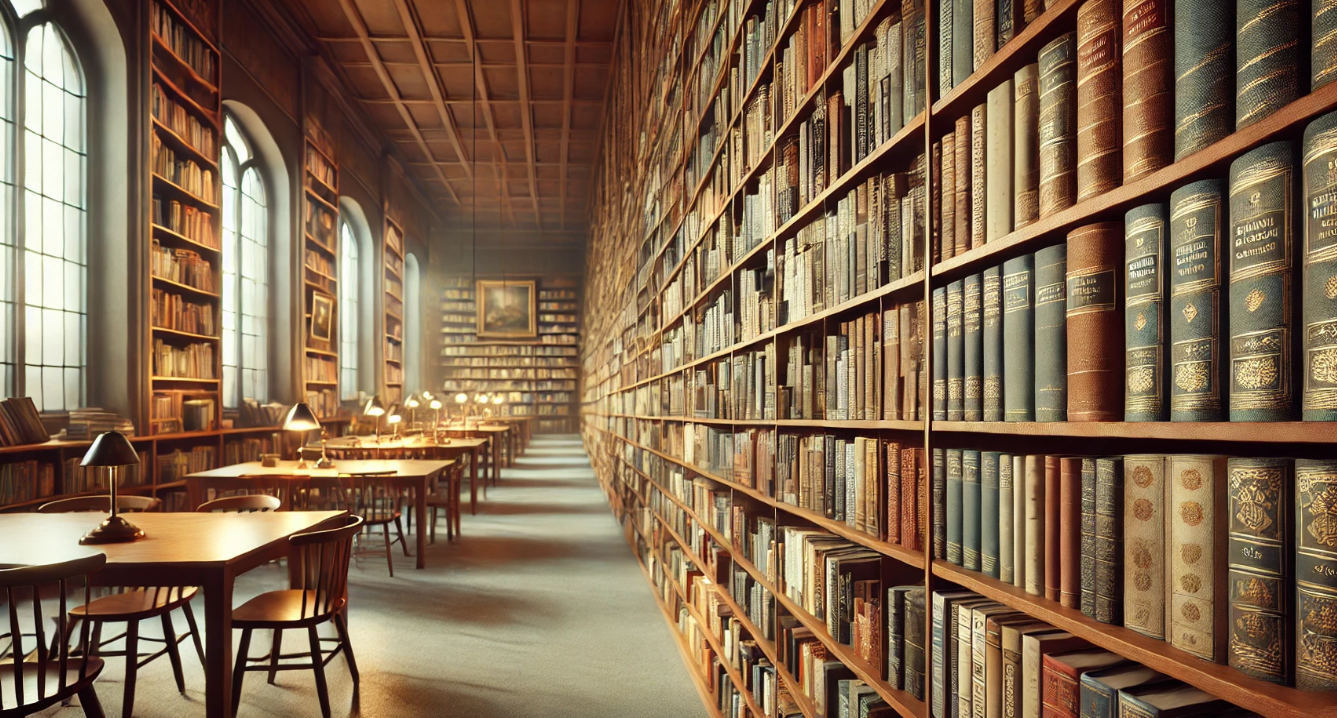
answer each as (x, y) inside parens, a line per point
(539, 610)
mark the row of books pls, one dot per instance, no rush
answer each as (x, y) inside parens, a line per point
(394, 352)
(537, 372)
(183, 42)
(88, 422)
(22, 481)
(319, 368)
(175, 117)
(190, 222)
(394, 374)
(1143, 540)
(184, 173)
(324, 402)
(168, 310)
(321, 168)
(78, 479)
(509, 350)
(320, 223)
(192, 361)
(510, 361)
(319, 262)
(176, 465)
(183, 266)
(246, 449)
(451, 385)
(707, 330)
(20, 423)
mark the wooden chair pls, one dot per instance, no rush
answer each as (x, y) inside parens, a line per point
(289, 489)
(446, 495)
(241, 504)
(131, 606)
(318, 595)
(35, 677)
(378, 502)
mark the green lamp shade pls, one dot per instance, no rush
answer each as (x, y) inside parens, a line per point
(111, 449)
(301, 418)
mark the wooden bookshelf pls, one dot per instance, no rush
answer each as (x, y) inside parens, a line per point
(320, 253)
(393, 281)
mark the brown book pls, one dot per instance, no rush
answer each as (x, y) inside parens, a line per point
(1026, 146)
(909, 499)
(28, 420)
(1053, 524)
(963, 177)
(1148, 87)
(948, 175)
(986, 31)
(1070, 532)
(979, 132)
(937, 214)
(1099, 168)
(1095, 323)
(1058, 127)
(893, 492)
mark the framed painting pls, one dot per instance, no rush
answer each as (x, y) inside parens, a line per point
(322, 317)
(506, 309)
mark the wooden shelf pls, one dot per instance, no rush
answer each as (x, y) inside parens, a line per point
(161, 182)
(181, 145)
(1279, 432)
(173, 236)
(186, 288)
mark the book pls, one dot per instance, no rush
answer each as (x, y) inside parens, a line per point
(1019, 548)
(955, 509)
(972, 329)
(1058, 124)
(1007, 571)
(1099, 100)
(1144, 312)
(896, 635)
(1100, 689)
(963, 40)
(947, 197)
(998, 193)
(939, 504)
(1260, 640)
(1197, 363)
(1062, 671)
(1087, 601)
(1051, 365)
(1013, 688)
(1035, 526)
(1146, 534)
(994, 666)
(916, 623)
(956, 348)
(1262, 266)
(1019, 338)
(1067, 533)
(946, 19)
(1095, 323)
(1316, 574)
(1267, 58)
(940, 354)
(1323, 43)
(1204, 75)
(1319, 291)
(1010, 20)
(970, 509)
(1167, 700)
(979, 181)
(1109, 540)
(1034, 648)
(981, 619)
(1148, 87)
(992, 332)
(1197, 540)
(941, 646)
(964, 176)
(985, 31)
(963, 687)
(989, 490)
(1026, 146)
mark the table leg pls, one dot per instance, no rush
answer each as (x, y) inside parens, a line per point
(496, 462)
(455, 499)
(474, 456)
(218, 643)
(420, 513)
(193, 493)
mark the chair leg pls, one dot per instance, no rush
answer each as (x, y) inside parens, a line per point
(194, 630)
(431, 534)
(318, 664)
(274, 655)
(173, 653)
(239, 672)
(131, 667)
(389, 560)
(399, 529)
(341, 625)
(89, 702)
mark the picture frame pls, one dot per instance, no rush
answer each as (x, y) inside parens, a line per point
(322, 317)
(506, 309)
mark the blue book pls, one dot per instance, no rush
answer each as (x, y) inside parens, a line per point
(1100, 689)
(970, 509)
(989, 513)
(954, 491)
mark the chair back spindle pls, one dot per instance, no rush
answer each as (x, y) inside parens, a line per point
(324, 572)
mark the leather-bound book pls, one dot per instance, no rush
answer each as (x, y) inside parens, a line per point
(1031, 10)
(1007, 567)
(985, 31)
(1010, 21)
(1088, 539)
(946, 81)
(1260, 563)
(914, 499)
(1144, 313)
(963, 39)
(1026, 146)
(940, 354)
(1099, 102)
(956, 351)
(1109, 540)
(1058, 124)
(1070, 531)
(1053, 527)
(1316, 575)
(993, 343)
(1013, 688)
(1100, 689)
(1323, 42)
(1267, 58)
(1319, 328)
(1035, 525)
(1198, 533)
(1051, 335)
(948, 195)
(1169, 699)
(955, 513)
(989, 513)
(1262, 268)
(970, 509)
(1034, 648)
(972, 326)
(940, 504)
(1148, 87)
(1146, 534)
(1061, 695)
(915, 626)
(1019, 338)
(893, 491)
(1019, 521)
(998, 169)
(1095, 323)
(964, 174)
(979, 181)
(1204, 74)
(1197, 316)
(936, 214)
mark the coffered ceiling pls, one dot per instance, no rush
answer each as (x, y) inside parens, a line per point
(497, 104)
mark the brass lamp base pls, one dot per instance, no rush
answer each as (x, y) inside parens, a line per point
(114, 530)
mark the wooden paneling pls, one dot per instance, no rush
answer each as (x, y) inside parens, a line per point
(273, 67)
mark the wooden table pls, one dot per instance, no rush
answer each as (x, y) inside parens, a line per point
(179, 549)
(498, 433)
(422, 444)
(417, 475)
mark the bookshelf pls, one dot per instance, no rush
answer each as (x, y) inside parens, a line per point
(394, 312)
(678, 252)
(320, 255)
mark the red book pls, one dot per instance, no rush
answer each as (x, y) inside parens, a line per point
(1070, 532)
(1060, 691)
(909, 494)
(893, 492)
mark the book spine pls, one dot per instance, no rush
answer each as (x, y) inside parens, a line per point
(938, 642)
(1095, 323)
(1019, 547)
(1099, 142)
(1144, 541)
(948, 194)
(895, 638)
(1261, 284)
(1060, 695)
(1053, 528)
(1316, 575)
(915, 624)
(972, 326)
(1069, 531)
(989, 491)
(955, 518)
(993, 343)
(940, 354)
(1026, 146)
(1259, 568)
(1109, 541)
(1088, 539)
(1197, 365)
(1051, 365)
(1144, 320)
(1204, 96)
(1035, 525)
(1267, 58)
(985, 30)
(979, 181)
(1323, 29)
(970, 509)
(1058, 124)
(1007, 572)
(1148, 89)
(998, 163)
(1019, 338)
(956, 352)
(1096, 699)
(1197, 537)
(964, 654)
(961, 211)
(1010, 21)
(963, 40)
(1319, 337)
(893, 491)
(939, 504)
(946, 81)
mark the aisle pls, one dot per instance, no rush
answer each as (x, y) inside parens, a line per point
(540, 610)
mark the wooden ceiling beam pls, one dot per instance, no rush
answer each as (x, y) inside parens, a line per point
(526, 113)
(410, 22)
(575, 102)
(568, 93)
(480, 86)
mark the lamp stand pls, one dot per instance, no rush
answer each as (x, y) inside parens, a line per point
(115, 529)
(324, 461)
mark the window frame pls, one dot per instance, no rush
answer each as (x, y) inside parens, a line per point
(255, 164)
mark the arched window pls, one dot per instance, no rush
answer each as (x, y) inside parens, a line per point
(245, 272)
(42, 210)
(412, 326)
(350, 270)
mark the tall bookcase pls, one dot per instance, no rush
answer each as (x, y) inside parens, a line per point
(394, 312)
(320, 254)
(681, 461)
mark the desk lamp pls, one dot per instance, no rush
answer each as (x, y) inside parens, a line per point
(393, 418)
(412, 405)
(463, 400)
(302, 420)
(112, 451)
(375, 409)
